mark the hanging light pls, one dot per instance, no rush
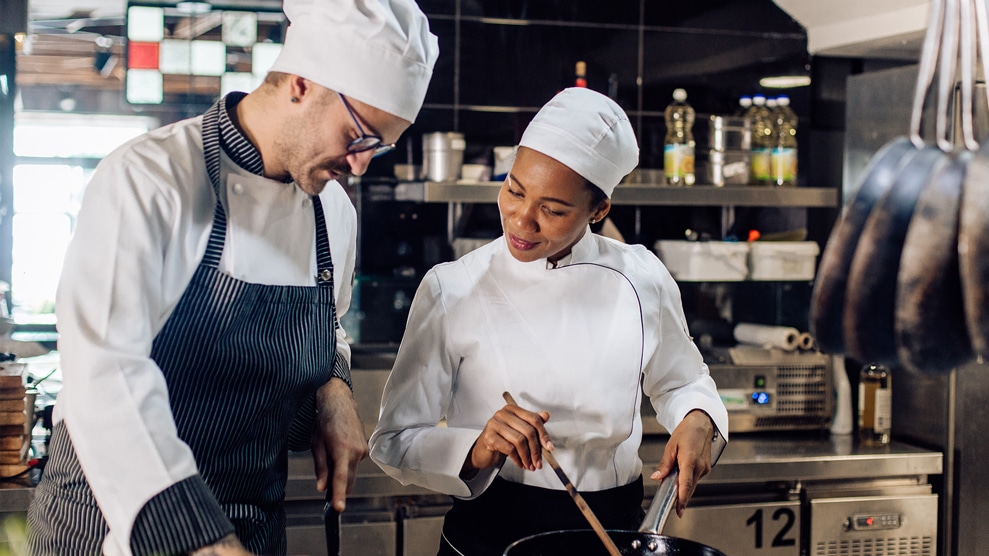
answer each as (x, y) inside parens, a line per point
(785, 81)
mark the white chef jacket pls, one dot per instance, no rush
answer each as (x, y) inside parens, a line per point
(142, 231)
(582, 341)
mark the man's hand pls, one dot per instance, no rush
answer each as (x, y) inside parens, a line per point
(339, 443)
(689, 448)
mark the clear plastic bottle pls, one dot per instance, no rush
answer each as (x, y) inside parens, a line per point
(875, 405)
(783, 159)
(678, 149)
(762, 141)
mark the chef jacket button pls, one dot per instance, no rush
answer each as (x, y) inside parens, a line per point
(306, 202)
(238, 188)
(325, 275)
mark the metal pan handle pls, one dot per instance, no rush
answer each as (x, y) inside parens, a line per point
(666, 495)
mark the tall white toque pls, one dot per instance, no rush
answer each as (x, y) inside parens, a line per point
(589, 133)
(379, 52)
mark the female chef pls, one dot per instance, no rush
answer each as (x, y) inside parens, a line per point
(577, 327)
(198, 306)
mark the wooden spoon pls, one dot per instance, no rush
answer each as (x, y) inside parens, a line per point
(577, 498)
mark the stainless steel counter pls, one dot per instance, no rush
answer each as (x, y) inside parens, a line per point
(745, 460)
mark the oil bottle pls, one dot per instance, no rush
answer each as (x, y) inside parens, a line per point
(875, 405)
(678, 148)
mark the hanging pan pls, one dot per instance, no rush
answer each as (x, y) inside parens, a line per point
(973, 225)
(869, 329)
(828, 296)
(931, 336)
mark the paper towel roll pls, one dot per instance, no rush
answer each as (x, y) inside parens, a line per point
(783, 337)
(805, 341)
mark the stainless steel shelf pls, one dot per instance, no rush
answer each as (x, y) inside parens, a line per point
(639, 194)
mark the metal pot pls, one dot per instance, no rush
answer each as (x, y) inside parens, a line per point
(646, 541)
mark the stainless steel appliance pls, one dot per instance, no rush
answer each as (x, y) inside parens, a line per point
(768, 390)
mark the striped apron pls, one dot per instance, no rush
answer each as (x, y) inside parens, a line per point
(239, 360)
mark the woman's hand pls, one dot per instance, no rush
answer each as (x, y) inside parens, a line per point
(227, 546)
(514, 433)
(689, 448)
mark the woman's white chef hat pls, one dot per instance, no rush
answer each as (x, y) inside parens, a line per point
(379, 52)
(588, 132)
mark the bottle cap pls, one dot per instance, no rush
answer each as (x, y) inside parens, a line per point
(679, 95)
(783, 100)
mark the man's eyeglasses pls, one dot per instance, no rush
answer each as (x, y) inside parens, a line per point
(365, 142)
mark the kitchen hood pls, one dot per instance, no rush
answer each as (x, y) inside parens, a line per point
(886, 29)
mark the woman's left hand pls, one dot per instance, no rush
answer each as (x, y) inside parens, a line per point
(689, 448)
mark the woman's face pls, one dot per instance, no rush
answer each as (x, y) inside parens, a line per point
(545, 207)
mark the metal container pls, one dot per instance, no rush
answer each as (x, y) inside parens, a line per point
(728, 133)
(442, 155)
(728, 167)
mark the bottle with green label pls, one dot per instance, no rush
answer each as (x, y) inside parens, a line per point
(762, 141)
(783, 159)
(678, 148)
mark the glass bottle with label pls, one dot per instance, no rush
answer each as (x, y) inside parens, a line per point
(678, 148)
(875, 405)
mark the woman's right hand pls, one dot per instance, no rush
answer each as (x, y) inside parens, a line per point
(227, 546)
(512, 432)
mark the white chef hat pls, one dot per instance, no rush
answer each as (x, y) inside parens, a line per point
(589, 133)
(379, 52)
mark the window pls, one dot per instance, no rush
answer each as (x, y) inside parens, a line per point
(56, 154)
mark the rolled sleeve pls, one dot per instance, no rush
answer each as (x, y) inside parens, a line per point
(180, 519)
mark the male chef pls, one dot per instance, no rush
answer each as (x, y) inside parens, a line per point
(199, 305)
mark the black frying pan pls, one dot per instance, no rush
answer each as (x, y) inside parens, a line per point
(973, 250)
(828, 296)
(931, 335)
(828, 299)
(973, 225)
(871, 295)
(644, 542)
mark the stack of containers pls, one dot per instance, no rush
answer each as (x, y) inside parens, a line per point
(729, 156)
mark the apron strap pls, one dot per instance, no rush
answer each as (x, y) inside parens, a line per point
(324, 261)
(211, 154)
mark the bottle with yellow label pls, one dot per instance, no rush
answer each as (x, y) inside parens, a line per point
(875, 405)
(762, 141)
(678, 148)
(783, 159)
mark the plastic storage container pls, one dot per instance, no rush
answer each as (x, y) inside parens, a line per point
(715, 261)
(782, 260)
